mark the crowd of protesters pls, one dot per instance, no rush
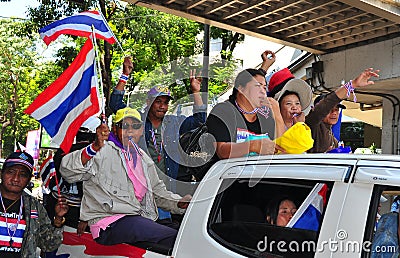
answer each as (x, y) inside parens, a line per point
(130, 172)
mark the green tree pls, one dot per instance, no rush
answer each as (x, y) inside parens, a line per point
(153, 38)
(160, 44)
(17, 83)
(229, 41)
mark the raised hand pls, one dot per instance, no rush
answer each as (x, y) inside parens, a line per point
(102, 133)
(364, 78)
(127, 66)
(268, 58)
(195, 81)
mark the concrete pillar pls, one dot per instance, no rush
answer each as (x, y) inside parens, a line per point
(388, 137)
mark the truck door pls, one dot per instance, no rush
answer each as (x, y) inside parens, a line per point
(231, 213)
(376, 190)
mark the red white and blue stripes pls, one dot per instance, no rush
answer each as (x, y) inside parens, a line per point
(89, 151)
(47, 172)
(70, 100)
(350, 89)
(309, 214)
(17, 237)
(79, 25)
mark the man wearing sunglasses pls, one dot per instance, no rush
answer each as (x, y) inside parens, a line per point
(162, 132)
(123, 191)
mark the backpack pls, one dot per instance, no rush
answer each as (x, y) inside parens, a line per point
(197, 154)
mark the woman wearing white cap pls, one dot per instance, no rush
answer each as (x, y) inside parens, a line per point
(294, 96)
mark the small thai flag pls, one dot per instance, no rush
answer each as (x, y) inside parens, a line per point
(47, 172)
(34, 214)
(309, 214)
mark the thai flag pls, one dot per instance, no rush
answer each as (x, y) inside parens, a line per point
(47, 172)
(34, 214)
(70, 100)
(5, 232)
(309, 214)
(79, 25)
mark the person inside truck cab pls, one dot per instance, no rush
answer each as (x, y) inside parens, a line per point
(387, 233)
(280, 211)
(122, 190)
(326, 111)
(245, 123)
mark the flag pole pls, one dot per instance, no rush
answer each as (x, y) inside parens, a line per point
(101, 78)
(58, 185)
(116, 39)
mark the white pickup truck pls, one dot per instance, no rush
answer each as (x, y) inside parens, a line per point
(226, 217)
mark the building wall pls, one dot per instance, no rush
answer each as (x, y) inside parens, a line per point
(349, 63)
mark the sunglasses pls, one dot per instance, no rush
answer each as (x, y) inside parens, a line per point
(125, 125)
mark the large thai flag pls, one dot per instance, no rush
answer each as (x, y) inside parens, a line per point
(309, 214)
(70, 100)
(79, 25)
(47, 172)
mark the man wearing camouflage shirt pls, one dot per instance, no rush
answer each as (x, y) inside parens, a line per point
(24, 224)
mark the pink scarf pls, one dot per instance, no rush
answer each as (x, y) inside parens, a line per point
(137, 177)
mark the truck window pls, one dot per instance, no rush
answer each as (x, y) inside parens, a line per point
(251, 219)
(382, 226)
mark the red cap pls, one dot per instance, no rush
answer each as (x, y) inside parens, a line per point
(279, 77)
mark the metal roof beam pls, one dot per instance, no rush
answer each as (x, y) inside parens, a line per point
(194, 4)
(345, 30)
(315, 6)
(316, 18)
(219, 6)
(245, 8)
(377, 7)
(351, 36)
(323, 24)
(274, 9)
(364, 37)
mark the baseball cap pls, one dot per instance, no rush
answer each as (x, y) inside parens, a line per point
(277, 81)
(19, 158)
(157, 91)
(322, 96)
(127, 112)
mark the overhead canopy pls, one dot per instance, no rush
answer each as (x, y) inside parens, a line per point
(372, 117)
(321, 26)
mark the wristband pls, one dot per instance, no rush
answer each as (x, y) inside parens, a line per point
(350, 89)
(123, 78)
(89, 152)
(263, 71)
